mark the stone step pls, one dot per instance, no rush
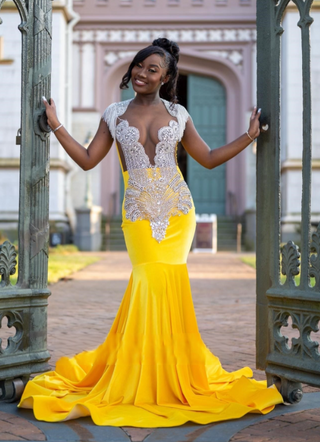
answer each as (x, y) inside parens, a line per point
(113, 236)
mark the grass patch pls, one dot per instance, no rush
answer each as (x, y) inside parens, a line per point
(62, 265)
(63, 262)
(249, 260)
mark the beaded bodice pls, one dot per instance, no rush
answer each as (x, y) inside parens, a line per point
(154, 192)
(134, 153)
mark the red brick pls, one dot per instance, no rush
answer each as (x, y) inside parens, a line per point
(17, 428)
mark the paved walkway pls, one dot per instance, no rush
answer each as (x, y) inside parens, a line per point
(81, 311)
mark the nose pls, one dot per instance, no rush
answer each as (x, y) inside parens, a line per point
(142, 73)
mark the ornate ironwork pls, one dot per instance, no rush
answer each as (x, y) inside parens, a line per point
(305, 323)
(285, 366)
(25, 304)
(315, 259)
(8, 263)
(14, 342)
(290, 262)
(280, 319)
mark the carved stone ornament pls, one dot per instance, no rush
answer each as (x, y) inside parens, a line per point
(14, 320)
(208, 35)
(290, 262)
(280, 319)
(305, 323)
(315, 259)
(7, 263)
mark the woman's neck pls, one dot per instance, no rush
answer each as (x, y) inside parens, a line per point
(147, 100)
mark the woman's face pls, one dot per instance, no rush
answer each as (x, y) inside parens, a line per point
(147, 76)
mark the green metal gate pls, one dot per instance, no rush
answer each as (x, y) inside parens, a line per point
(25, 304)
(207, 107)
(276, 302)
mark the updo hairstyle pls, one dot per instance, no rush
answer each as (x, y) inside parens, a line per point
(169, 52)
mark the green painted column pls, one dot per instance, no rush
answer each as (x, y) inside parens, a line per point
(25, 304)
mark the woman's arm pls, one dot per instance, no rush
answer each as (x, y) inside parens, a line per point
(200, 151)
(85, 158)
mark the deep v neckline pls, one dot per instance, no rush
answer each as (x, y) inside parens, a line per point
(123, 120)
(137, 129)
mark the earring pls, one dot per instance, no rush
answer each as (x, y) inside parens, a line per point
(162, 83)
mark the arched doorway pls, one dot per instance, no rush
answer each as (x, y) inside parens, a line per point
(205, 99)
(207, 107)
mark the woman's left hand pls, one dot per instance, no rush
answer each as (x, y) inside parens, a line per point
(254, 127)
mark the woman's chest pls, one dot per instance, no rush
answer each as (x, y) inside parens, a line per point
(142, 149)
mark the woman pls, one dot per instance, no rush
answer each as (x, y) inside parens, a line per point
(153, 370)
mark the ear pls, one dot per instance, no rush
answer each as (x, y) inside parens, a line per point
(165, 79)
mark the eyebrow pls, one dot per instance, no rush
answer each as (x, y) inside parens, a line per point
(155, 65)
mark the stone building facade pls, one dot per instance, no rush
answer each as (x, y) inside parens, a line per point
(291, 122)
(61, 167)
(217, 42)
(93, 43)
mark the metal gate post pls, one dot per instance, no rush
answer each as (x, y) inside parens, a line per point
(25, 304)
(267, 158)
(276, 302)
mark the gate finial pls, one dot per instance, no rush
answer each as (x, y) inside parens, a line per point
(8, 263)
(290, 262)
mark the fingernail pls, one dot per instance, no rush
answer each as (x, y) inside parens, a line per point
(44, 98)
(259, 110)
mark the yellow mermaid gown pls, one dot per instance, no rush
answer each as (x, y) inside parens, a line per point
(153, 370)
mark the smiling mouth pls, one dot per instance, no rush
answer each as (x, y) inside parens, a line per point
(139, 82)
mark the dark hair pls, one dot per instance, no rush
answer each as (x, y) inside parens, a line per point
(169, 51)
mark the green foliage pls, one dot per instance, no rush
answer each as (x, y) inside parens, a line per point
(62, 265)
(249, 260)
(3, 238)
(66, 249)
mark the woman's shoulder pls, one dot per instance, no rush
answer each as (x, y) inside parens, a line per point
(115, 109)
(112, 112)
(174, 109)
(180, 113)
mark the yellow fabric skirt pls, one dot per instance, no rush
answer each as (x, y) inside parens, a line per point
(153, 370)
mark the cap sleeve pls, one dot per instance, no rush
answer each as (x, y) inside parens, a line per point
(111, 114)
(182, 117)
(110, 117)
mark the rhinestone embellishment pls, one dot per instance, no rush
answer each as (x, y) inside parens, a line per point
(155, 192)
(155, 195)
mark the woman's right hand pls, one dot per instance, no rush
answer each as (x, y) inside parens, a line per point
(85, 157)
(51, 112)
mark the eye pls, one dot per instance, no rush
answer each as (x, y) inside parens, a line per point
(152, 70)
(139, 65)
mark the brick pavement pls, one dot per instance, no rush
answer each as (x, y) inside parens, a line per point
(82, 309)
(16, 428)
(303, 426)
